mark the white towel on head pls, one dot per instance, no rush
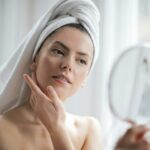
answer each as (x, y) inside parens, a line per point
(13, 90)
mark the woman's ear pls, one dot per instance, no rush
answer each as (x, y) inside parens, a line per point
(83, 83)
(33, 66)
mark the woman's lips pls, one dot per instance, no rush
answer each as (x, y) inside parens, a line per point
(61, 80)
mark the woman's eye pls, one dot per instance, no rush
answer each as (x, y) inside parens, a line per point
(58, 52)
(82, 61)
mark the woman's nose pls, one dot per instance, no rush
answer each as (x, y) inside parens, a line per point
(66, 65)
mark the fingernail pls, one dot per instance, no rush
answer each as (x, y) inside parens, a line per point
(25, 76)
(140, 136)
(130, 122)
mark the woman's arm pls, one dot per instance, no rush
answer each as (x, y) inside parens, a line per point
(94, 136)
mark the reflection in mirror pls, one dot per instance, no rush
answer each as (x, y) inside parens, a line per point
(129, 85)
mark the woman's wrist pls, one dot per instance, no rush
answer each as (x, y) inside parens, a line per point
(57, 128)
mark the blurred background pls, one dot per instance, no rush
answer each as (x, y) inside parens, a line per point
(124, 23)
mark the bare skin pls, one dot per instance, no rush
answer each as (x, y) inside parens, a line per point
(27, 132)
(134, 139)
(42, 123)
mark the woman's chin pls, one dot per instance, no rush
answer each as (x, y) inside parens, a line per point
(58, 92)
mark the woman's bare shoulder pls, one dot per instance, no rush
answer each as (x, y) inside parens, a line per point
(93, 132)
(5, 125)
(6, 120)
(86, 122)
(93, 126)
(3, 122)
(5, 130)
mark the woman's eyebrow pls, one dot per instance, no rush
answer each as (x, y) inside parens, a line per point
(62, 45)
(83, 54)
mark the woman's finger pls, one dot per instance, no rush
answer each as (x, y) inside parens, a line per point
(39, 98)
(34, 88)
(31, 83)
(131, 122)
(139, 132)
(31, 101)
(54, 97)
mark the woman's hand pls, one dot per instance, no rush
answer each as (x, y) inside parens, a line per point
(47, 106)
(50, 111)
(134, 139)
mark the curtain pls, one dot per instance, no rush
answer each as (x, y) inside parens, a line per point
(120, 31)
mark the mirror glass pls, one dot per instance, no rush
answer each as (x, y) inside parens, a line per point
(129, 85)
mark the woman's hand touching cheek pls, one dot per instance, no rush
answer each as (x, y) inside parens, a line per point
(47, 106)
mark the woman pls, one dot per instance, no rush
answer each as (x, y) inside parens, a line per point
(58, 69)
(55, 58)
(60, 51)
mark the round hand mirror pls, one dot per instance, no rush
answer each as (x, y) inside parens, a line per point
(129, 85)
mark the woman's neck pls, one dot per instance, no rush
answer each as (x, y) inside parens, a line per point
(23, 114)
(28, 113)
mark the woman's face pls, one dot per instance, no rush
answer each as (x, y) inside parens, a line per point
(64, 61)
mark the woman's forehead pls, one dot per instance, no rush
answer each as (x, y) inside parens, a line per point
(71, 38)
